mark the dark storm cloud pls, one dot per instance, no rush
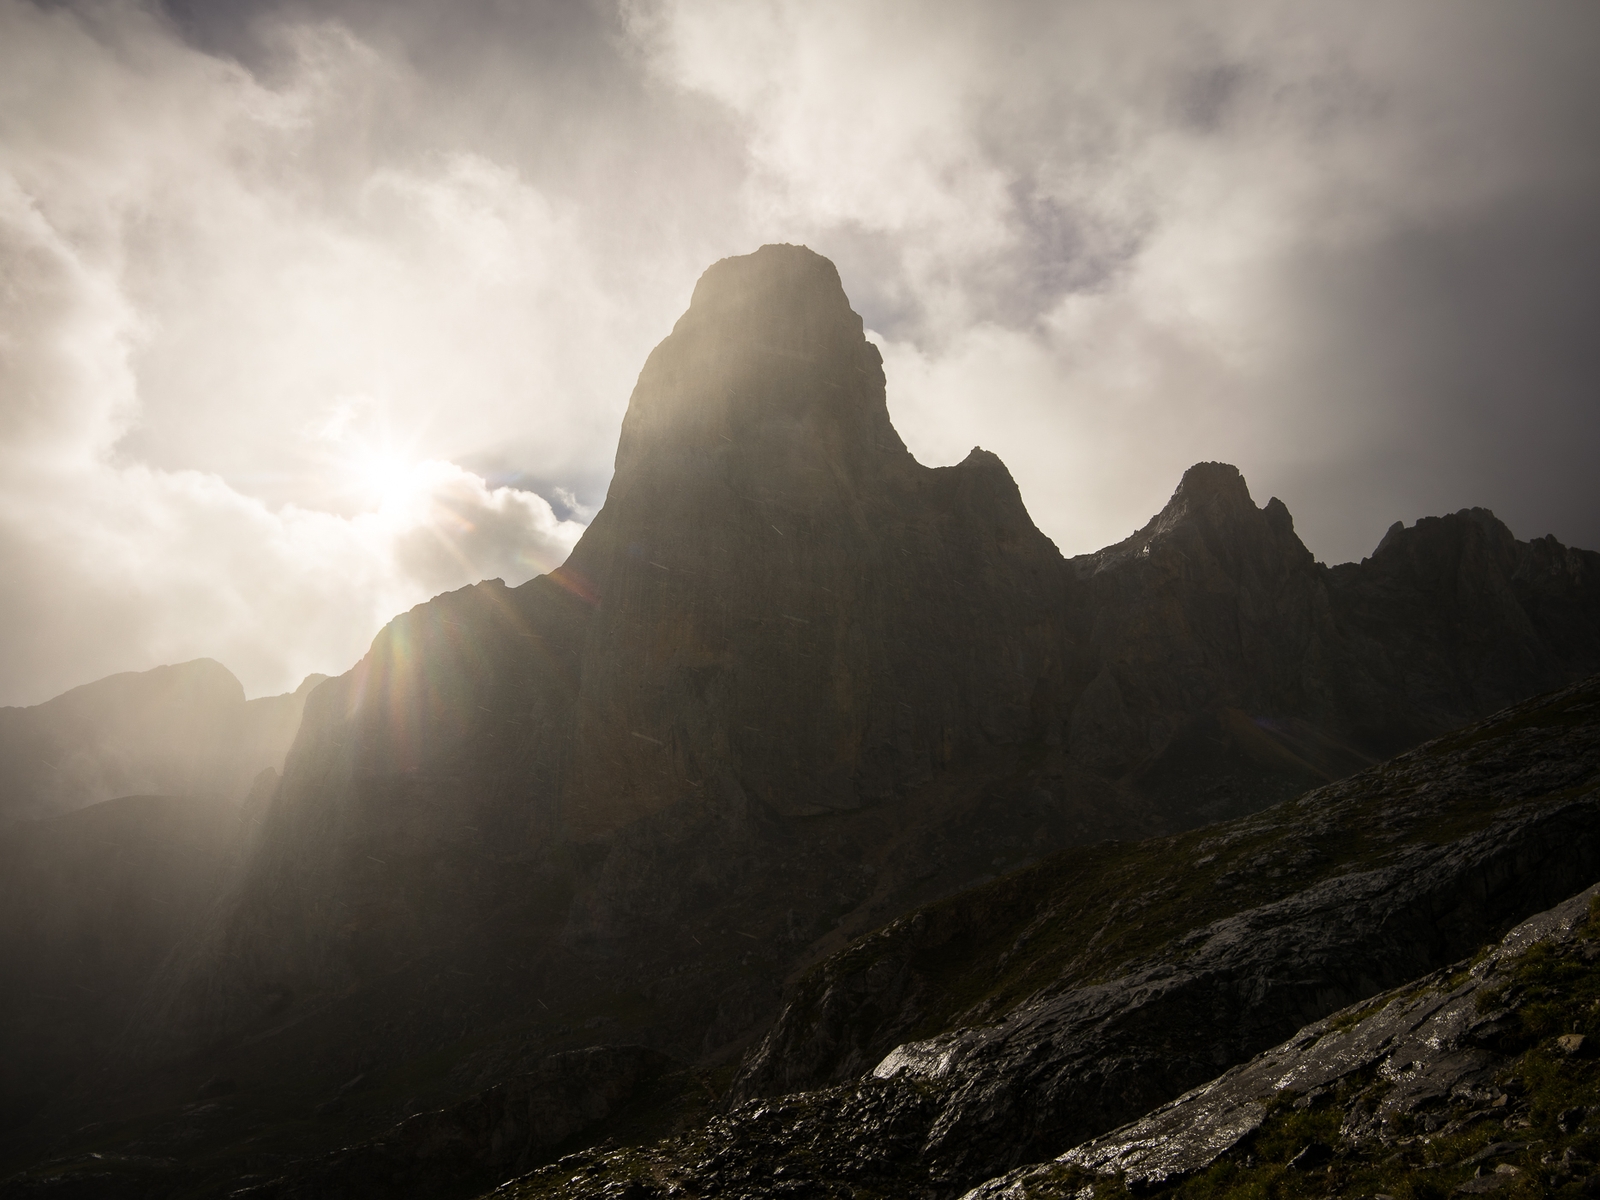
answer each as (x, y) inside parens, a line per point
(1469, 347)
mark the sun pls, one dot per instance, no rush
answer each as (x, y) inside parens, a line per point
(383, 476)
(364, 458)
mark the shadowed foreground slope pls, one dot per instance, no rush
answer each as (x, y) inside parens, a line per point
(1476, 1079)
(1061, 1001)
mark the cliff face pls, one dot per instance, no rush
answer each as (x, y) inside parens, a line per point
(1231, 669)
(1205, 631)
(786, 601)
(779, 615)
(791, 682)
(776, 599)
(1454, 614)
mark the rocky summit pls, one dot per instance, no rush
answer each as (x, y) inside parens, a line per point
(790, 689)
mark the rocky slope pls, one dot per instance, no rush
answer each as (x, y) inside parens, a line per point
(790, 685)
(1082, 993)
(1478, 1078)
(177, 730)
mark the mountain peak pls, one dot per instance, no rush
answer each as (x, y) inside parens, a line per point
(1210, 496)
(766, 384)
(783, 292)
(791, 684)
(1211, 483)
(1453, 529)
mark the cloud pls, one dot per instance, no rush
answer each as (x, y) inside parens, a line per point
(179, 322)
(1108, 239)
(172, 565)
(312, 308)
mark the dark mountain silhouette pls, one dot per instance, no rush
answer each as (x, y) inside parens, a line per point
(1231, 668)
(789, 685)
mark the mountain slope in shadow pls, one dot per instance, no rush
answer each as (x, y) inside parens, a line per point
(1055, 1004)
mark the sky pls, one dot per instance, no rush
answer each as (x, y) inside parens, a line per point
(312, 309)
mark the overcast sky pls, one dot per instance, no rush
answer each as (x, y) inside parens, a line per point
(309, 311)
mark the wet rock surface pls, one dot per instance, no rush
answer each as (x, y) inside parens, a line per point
(1059, 1065)
(1462, 1081)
